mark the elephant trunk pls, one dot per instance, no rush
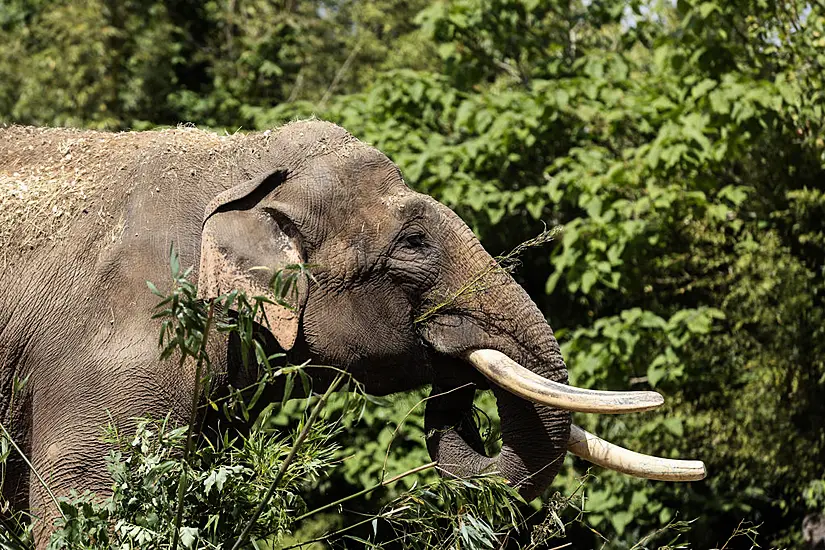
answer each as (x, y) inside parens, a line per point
(498, 330)
(502, 320)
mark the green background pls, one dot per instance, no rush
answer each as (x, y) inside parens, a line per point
(680, 145)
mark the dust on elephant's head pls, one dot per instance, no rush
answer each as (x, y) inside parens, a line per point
(403, 295)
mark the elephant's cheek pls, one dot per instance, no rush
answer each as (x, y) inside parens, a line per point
(361, 333)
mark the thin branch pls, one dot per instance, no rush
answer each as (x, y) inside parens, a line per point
(296, 88)
(368, 490)
(509, 69)
(33, 469)
(285, 464)
(192, 414)
(340, 74)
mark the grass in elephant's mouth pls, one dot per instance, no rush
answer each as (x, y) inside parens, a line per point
(510, 261)
(506, 263)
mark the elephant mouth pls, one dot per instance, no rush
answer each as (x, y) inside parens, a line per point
(506, 373)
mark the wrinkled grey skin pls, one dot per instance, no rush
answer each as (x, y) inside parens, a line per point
(385, 256)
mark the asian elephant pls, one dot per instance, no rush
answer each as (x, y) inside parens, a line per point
(86, 218)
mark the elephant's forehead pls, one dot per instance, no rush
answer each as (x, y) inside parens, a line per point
(382, 210)
(403, 203)
(354, 178)
(374, 220)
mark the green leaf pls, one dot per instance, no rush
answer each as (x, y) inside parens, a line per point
(657, 370)
(188, 536)
(588, 279)
(674, 425)
(620, 520)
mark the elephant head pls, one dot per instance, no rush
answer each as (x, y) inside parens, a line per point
(407, 296)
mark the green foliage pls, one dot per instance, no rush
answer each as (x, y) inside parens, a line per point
(225, 482)
(388, 437)
(91, 63)
(135, 64)
(473, 510)
(680, 145)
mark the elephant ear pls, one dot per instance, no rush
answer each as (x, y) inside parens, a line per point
(244, 244)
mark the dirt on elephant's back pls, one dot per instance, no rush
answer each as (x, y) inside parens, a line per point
(49, 177)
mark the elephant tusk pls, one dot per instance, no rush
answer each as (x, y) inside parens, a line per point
(518, 380)
(607, 455)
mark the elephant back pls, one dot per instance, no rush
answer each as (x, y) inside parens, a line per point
(50, 178)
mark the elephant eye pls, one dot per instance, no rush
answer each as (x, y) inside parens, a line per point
(414, 240)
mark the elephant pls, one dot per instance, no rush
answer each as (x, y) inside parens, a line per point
(88, 217)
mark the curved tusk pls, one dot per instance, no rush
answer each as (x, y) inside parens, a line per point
(607, 455)
(518, 380)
